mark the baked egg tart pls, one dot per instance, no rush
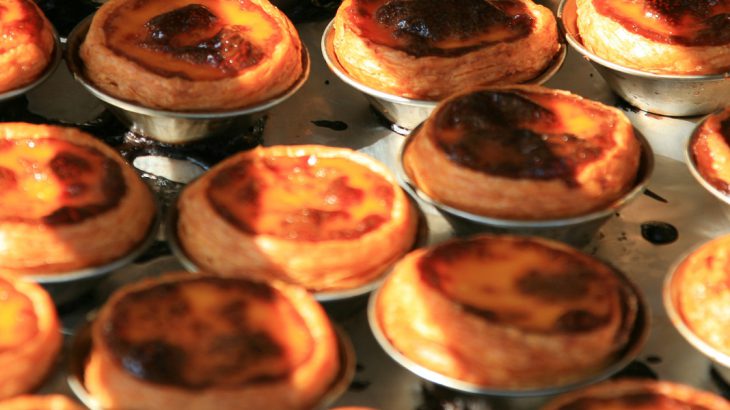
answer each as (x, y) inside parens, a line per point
(523, 153)
(638, 394)
(40, 402)
(662, 37)
(709, 151)
(428, 49)
(201, 342)
(182, 55)
(505, 313)
(26, 43)
(71, 196)
(30, 335)
(322, 217)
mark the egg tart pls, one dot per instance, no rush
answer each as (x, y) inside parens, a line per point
(322, 217)
(26, 43)
(638, 394)
(181, 55)
(662, 37)
(40, 402)
(71, 196)
(30, 335)
(523, 153)
(709, 150)
(430, 48)
(204, 342)
(506, 312)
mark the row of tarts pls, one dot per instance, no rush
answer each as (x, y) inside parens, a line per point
(358, 223)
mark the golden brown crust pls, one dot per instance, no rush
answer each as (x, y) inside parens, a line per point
(325, 218)
(700, 294)
(44, 402)
(523, 152)
(614, 32)
(638, 394)
(552, 315)
(180, 59)
(26, 43)
(515, 43)
(31, 336)
(710, 151)
(212, 343)
(76, 192)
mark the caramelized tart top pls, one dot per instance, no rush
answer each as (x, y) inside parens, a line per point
(21, 19)
(677, 22)
(441, 27)
(307, 198)
(204, 40)
(710, 150)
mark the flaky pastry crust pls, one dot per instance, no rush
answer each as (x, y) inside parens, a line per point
(40, 402)
(449, 54)
(71, 196)
(657, 49)
(180, 56)
(523, 152)
(26, 43)
(506, 312)
(638, 394)
(322, 217)
(710, 152)
(262, 345)
(31, 335)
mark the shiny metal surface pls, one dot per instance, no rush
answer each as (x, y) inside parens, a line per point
(675, 95)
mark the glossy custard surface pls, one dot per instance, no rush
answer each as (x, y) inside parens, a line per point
(208, 332)
(306, 198)
(519, 134)
(18, 321)
(440, 27)
(206, 40)
(679, 22)
(56, 182)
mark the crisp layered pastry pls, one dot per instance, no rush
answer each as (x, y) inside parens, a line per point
(30, 335)
(41, 402)
(325, 218)
(428, 49)
(700, 295)
(183, 55)
(658, 36)
(523, 152)
(506, 312)
(71, 196)
(201, 342)
(638, 394)
(709, 149)
(26, 43)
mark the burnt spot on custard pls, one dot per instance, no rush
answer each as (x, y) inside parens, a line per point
(156, 335)
(631, 400)
(491, 132)
(692, 23)
(421, 27)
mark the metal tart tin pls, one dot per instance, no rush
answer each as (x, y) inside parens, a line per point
(636, 341)
(720, 360)
(81, 348)
(66, 287)
(405, 112)
(665, 94)
(577, 231)
(49, 70)
(689, 159)
(172, 127)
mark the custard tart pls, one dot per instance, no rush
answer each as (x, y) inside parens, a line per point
(662, 37)
(506, 312)
(428, 49)
(26, 43)
(40, 402)
(198, 342)
(180, 55)
(71, 196)
(30, 335)
(322, 217)
(523, 153)
(709, 150)
(638, 394)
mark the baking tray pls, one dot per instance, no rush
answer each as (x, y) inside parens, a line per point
(327, 111)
